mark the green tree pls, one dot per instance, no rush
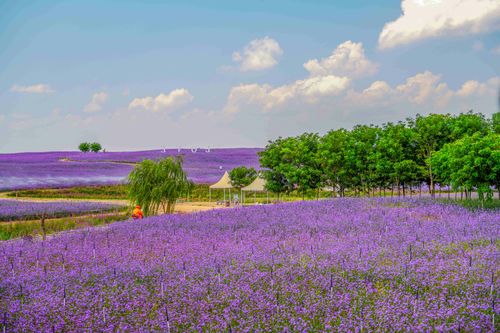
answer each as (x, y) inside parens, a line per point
(331, 155)
(395, 150)
(95, 147)
(471, 162)
(158, 184)
(276, 182)
(495, 120)
(468, 124)
(242, 176)
(271, 159)
(300, 164)
(432, 133)
(360, 158)
(84, 147)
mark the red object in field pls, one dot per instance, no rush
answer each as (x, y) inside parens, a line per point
(137, 213)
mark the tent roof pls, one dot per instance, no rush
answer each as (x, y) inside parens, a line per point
(224, 182)
(258, 185)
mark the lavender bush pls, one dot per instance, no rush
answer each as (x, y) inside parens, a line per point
(15, 210)
(56, 169)
(344, 265)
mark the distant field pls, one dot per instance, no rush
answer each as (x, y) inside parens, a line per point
(65, 169)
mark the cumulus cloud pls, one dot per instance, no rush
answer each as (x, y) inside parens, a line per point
(258, 55)
(175, 98)
(33, 89)
(267, 97)
(423, 19)
(348, 59)
(473, 87)
(421, 90)
(95, 104)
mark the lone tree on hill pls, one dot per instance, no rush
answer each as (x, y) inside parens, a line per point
(242, 176)
(158, 184)
(95, 147)
(84, 147)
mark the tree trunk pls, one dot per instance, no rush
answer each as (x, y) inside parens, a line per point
(431, 178)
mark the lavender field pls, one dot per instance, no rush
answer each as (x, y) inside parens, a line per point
(63, 169)
(343, 265)
(11, 210)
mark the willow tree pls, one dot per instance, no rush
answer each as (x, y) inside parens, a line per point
(156, 185)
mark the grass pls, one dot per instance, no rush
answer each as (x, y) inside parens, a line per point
(119, 192)
(78, 192)
(33, 228)
(475, 204)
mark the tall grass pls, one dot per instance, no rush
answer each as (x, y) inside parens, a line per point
(10, 230)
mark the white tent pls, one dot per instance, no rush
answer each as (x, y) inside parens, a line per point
(223, 184)
(258, 185)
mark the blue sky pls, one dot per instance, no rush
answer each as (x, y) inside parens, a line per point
(150, 74)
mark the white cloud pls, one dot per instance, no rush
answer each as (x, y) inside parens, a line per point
(423, 19)
(258, 55)
(95, 104)
(419, 88)
(421, 91)
(348, 59)
(266, 97)
(175, 98)
(473, 87)
(34, 89)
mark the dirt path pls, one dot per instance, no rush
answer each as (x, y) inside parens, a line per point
(181, 207)
(68, 160)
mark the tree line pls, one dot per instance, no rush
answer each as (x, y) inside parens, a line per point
(461, 152)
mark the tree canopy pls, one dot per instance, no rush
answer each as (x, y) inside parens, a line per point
(397, 156)
(242, 176)
(156, 185)
(84, 147)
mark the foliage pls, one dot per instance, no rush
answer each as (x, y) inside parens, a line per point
(271, 159)
(84, 147)
(495, 120)
(242, 176)
(473, 161)
(368, 159)
(294, 159)
(158, 184)
(95, 147)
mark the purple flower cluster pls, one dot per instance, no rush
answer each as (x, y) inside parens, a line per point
(56, 169)
(15, 210)
(347, 265)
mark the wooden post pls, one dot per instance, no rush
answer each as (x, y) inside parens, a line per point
(42, 224)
